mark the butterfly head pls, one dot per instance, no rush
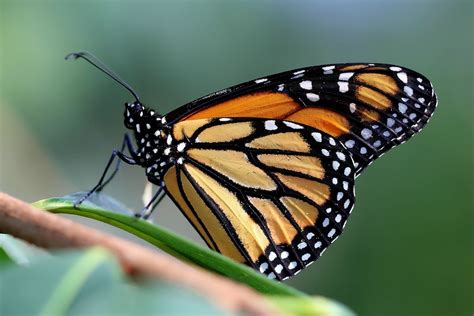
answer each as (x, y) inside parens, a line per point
(148, 130)
(134, 113)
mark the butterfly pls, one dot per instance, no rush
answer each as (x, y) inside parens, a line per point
(265, 170)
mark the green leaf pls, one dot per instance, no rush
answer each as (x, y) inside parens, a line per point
(15, 251)
(73, 279)
(90, 283)
(171, 243)
(309, 306)
(5, 258)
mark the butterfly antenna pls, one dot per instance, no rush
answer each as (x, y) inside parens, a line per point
(94, 61)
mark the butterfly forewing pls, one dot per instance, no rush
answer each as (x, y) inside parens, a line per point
(269, 193)
(370, 108)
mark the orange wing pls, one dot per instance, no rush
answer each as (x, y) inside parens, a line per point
(272, 194)
(370, 108)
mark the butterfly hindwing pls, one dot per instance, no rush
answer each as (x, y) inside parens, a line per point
(370, 108)
(269, 193)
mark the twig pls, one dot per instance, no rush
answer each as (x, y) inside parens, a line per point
(50, 231)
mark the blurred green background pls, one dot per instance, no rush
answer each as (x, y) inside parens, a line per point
(408, 247)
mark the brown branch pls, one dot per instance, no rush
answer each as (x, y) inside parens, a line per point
(50, 231)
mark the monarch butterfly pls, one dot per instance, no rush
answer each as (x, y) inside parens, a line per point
(265, 170)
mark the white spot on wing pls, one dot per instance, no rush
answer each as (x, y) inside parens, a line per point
(402, 107)
(306, 84)
(312, 97)
(366, 133)
(343, 86)
(352, 107)
(270, 125)
(331, 233)
(346, 203)
(261, 80)
(350, 143)
(278, 268)
(302, 245)
(403, 77)
(328, 70)
(292, 125)
(341, 156)
(390, 122)
(347, 171)
(326, 222)
(345, 76)
(345, 185)
(181, 147)
(317, 136)
(408, 90)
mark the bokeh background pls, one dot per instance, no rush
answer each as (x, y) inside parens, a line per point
(408, 247)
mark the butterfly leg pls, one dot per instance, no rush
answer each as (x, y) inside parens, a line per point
(155, 200)
(126, 143)
(115, 154)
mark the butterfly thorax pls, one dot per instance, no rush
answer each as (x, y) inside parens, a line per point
(151, 135)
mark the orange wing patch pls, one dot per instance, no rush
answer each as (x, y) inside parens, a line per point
(380, 81)
(181, 131)
(303, 164)
(325, 120)
(225, 133)
(281, 141)
(235, 166)
(368, 115)
(315, 191)
(373, 98)
(281, 230)
(263, 104)
(173, 188)
(224, 243)
(304, 214)
(231, 207)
